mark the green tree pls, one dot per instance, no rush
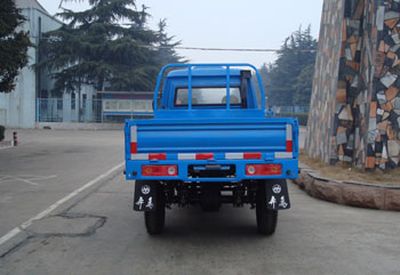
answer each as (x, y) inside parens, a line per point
(108, 46)
(266, 79)
(14, 45)
(291, 74)
(303, 86)
(166, 44)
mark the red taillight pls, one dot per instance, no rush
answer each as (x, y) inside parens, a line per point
(289, 138)
(159, 170)
(133, 147)
(289, 146)
(160, 156)
(263, 169)
(204, 156)
(252, 155)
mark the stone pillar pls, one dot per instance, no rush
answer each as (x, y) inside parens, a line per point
(323, 107)
(355, 106)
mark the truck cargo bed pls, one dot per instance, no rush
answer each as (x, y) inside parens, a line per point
(244, 135)
(202, 144)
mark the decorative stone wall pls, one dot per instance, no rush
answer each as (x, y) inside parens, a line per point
(355, 106)
(325, 81)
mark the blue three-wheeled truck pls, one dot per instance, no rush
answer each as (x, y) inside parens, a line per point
(211, 142)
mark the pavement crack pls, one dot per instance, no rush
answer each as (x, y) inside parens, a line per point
(69, 225)
(16, 247)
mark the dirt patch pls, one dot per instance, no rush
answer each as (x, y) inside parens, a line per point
(344, 172)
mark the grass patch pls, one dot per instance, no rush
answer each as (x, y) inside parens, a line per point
(344, 172)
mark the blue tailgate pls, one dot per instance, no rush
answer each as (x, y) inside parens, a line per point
(216, 141)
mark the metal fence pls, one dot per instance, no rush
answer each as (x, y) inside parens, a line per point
(91, 111)
(291, 109)
(117, 110)
(300, 112)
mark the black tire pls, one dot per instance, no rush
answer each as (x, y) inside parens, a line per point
(266, 219)
(155, 220)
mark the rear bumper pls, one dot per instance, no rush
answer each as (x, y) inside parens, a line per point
(289, 170)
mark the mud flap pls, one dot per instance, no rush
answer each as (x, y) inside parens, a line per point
(145, 197)
(277, 196)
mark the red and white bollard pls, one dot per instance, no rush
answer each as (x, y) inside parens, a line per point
(15, 139)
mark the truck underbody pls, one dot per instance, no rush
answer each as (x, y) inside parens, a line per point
(210, 197)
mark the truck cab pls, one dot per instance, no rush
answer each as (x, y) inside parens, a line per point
(211, 143)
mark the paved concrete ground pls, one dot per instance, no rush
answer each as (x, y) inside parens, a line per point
(102, 235)
(49, 164)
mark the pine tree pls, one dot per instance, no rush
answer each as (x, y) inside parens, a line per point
(166, 44)
(291, 74)
(108, 46)
(266, 80)
(14, 45)
(303, 86)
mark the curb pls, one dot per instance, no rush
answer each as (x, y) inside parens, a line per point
(351, 193)
(17, 236)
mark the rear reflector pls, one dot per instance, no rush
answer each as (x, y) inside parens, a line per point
(155, 156)
(289, 146)
(133, 133)
(252, 155)
(234, 156)
(133, 147)
(243, 156)
(139, 156)
(204, 156)
(196, 156)
(186, 156)
(133, 139)
(160, 156)
(159, 170)
(289, 138)
(283, 155)
(263, 169)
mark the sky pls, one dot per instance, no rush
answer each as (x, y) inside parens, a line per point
(225, 24)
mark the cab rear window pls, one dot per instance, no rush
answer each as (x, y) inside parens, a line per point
(212, 96)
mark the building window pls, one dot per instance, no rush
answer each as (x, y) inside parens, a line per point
(94, 101)
(59, 104)
(73, 101)
(84, 99)
(40, 27)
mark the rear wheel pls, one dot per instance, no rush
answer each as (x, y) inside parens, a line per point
(155, 220)
(267, 219)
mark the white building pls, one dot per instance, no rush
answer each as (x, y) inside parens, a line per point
(18, 108)
(32, 98)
